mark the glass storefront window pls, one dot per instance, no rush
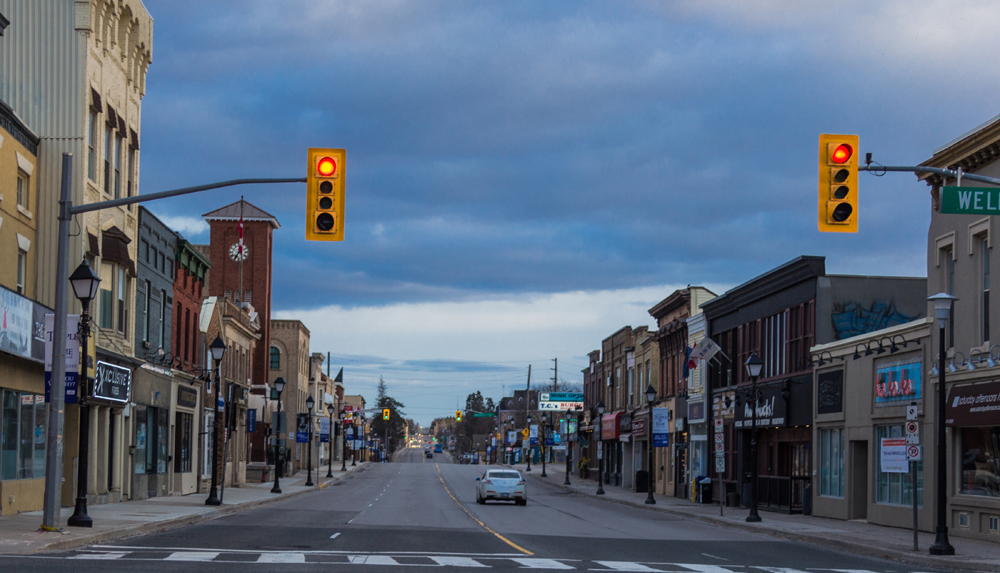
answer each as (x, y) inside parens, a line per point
(831, 462)
(140, 440)
(162, 424)
(182, 442)
(8, 443)
(980, 465)
(22, 445)
(892, 488)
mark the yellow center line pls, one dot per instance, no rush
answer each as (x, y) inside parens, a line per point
(474, 518)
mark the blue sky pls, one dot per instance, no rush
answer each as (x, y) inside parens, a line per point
(524, 178)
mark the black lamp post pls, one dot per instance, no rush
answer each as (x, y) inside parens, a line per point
(329, 465)
(943, 303)
(650, 393)
(569, 448)
(354, 457)
(545, 421)
(753, 365)
(343, 433)
(309, 441)
(529, 444)
(218, 349)
(85, 284)
(600, 445)
(279, 386)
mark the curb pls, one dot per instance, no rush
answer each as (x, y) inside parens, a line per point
(849, 546)
(160, 526)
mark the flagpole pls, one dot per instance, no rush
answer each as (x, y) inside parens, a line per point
(241, 250)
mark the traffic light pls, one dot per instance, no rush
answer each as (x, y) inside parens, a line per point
(385, 413)
(325, 195)
(838, 183)
(458, 415)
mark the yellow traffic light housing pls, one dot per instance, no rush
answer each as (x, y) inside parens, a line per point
(385, 413)
(838, 183)
(325, 194)
(458, 415)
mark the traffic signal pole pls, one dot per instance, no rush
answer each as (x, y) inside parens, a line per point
(957, 174)
(56, 409)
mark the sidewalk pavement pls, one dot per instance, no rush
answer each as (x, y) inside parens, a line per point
(858, 537)
(21, 533)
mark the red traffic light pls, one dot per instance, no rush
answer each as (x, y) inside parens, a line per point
(841, 154)
(326, 167)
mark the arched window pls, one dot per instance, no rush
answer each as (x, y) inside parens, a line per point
(275, 358)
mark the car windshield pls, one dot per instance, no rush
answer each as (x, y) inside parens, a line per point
(505, 475)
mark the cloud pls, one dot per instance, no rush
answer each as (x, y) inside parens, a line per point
(188, 226)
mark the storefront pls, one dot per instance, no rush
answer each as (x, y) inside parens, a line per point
(697, 439)
(108, 444)
(151, 399)
(973, 414)
(640, 451)
(185, 446)
(679, 447)
(610, 434)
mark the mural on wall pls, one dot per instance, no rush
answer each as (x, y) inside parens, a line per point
(851, 319)
(899, 382)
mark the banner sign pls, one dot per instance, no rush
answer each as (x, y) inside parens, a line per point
(72, 356)
(22, 328)
(661, 427)
(511, 437)
(892, 458)
(897, 383)
(302, 428)
(571, 430)
(561, 405)
(112, 382)
(324, 429)
(770, 409)
(251, 421)
(562, 397)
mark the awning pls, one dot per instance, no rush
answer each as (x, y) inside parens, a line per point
(609, 426)
(625, 437)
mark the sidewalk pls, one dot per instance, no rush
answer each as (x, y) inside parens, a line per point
(21, 533)
(857, 537)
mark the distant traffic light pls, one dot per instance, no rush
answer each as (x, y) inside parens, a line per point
(385, 413)
(458, 415)
(838, 183)
(325, 195)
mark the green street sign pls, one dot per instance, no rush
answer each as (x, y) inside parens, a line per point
(484, 415)
(970, 200)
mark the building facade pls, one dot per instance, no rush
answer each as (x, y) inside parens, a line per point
(289, 358)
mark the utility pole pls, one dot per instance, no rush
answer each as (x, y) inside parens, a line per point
(555, 376)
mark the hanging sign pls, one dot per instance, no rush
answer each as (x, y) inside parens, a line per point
(112, 382)
(324, 430)
(302, 428)
(251, 421)
(661, 427)
(72, 356)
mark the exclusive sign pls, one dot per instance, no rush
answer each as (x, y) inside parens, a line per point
(112, 382)
(973, 405)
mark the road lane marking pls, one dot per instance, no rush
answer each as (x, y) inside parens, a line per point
(705, 568)
(192, 556)
(474, 518)
(109, 555)
(334, 536)
(540, 563)
(372, 560)
(457, 561)
(626, 566)
(281, 558)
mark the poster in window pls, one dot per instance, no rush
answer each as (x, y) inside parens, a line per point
(897, 383)
(830, 392)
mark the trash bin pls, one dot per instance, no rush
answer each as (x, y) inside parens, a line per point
(807, 499)
(733, 499)
(641, 481)
(704, 489)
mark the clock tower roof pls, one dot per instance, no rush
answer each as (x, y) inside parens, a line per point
(251, 212)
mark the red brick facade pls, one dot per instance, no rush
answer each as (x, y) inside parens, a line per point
(189, 285)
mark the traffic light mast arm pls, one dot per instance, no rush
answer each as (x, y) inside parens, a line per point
(935, 170)
(87, 207)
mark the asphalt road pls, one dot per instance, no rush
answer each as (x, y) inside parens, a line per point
(422, 513)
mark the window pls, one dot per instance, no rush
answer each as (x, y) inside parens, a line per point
(984, 301)
(122, 313)
(22, 447)
(107, 158)
(831, 462)
(163, 319)
(145, 312)
(275, 358)
(229, 295)
(182, 442)
(979, 473)
(106, 297)
(248, 297)
(141, 438)
(631, 385)
(22, 270)
(207, 445)
(22, 189)
(892, 488)
(92, 147)
(131, 172)
(118, 167)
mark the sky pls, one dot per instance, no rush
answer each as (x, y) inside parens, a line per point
(524, 178)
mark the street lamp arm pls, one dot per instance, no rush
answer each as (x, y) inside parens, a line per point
(935, 170)
(87, 207)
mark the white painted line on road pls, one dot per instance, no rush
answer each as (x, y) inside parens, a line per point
(192, 556)
(626, 566)
(334, 536)
(530, 563)
(714, 556)
(281, 558)
(704, 568)
(457, 561)
(373, 560)
(110, 555)
(779, 570)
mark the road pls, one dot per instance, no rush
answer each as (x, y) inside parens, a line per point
(422, 513)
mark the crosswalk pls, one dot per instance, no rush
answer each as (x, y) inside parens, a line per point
(458, 561)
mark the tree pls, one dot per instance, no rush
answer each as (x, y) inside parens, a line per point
(396, 425)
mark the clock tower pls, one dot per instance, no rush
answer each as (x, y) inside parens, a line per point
(225, 255)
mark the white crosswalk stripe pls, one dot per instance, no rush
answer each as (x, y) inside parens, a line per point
(704, 568)
(780, 570)
(626, 566)
(373, 560)
(191, 556)
(450, 561)
(531, 563)
(109, 555)
(281, 558)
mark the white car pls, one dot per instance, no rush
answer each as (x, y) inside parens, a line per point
(501, 485)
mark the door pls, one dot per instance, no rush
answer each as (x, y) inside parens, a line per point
(859, 480)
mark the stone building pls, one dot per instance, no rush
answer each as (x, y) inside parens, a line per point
(288, 357)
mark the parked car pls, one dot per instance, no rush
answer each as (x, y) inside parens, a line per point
(501, 485)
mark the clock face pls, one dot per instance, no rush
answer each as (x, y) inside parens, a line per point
(236, 255)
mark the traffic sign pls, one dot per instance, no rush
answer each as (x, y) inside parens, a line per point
(720, 448)
(718, 424)
(970, 200)
(720, 465)
(483, 414)
(914, 453)
(912, 433)
(911, 412)
(719, 438)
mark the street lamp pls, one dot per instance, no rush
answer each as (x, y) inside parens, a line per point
(85, 284)
(309, 441)
(529, 444)
(650, 393)
(600, 444)
(354, 456)
(545, 422)
(753, 365)
(329, 465)
(343, 433)
(218, 350)
(943, 303)
(279, 386)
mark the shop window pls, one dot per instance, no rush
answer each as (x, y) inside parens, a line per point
(893, 488)
(162, 439)
(831, 462)
(22, 446)
(275, 358)
(182, 443)
(140, 440)
(980, 466)
(207, 445)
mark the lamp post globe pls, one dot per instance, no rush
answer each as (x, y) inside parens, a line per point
(753, 365)
(600, 457)
(650, 393)
(85, 284)
(310, 403)
(218, 351)
(279, 386)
